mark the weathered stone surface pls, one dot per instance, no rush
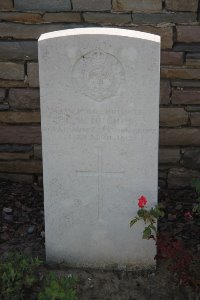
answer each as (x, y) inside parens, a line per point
(44, 5)
(193, 59)
(185, 83)
(89, 132)
(181, 136)
(24, 99)
(91, 5)
(162, 183)
(184, 96)
(181, 177)
(169, 156)
(15, 148)
(193, 62)
(192, 47)
(192, 108)
(12, 83)
(165, 91)
(62, 17)
(15, 156)
(26, 167)
(107, 18)
(166, 33)
(17, 177)
(40, 181)
(158, 18)
(4, 106)
(137, 5)
(193, 56)
(171, 117)
(195, 119)
(33, 74)
(18, 50)
(191, 158)
(2, 94)
(183, 73)
(6, 5)
(20, 134)
(162, 170)
(37, 151)
(28, 31)
(19, 117)
(20, 17)
(188, 34)
(162, 177)
(11, 71)
(183, 5)
(172, 58)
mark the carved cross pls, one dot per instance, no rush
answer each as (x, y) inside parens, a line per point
(99, 174)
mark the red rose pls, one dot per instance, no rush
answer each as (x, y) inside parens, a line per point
(142, 201)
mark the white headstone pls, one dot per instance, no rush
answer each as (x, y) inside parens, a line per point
(99, 106)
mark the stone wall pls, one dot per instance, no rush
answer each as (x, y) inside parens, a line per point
(177, 22)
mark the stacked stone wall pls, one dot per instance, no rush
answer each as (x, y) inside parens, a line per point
(176, 21)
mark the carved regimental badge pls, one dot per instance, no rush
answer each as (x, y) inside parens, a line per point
(98, 75)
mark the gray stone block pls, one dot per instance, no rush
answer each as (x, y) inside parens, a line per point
(173, 116)
(191, 158)
(183, 5)
(11, 71)
(181, 177)
(6, 5)
(91, 5)
(18, 50)
(165, 90)
(2, 94)
(66, 17)
(37, 151)
(33, 74)
(157, 18)
(137, 5)
(169, 156)
(13, 83)
(17, 177)
(42, 5)
(24, 99)
(107, 18)
(4, 106)
(23, 135)
(15, 148)
(29, 31)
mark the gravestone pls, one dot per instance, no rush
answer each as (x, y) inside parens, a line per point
(99, 108)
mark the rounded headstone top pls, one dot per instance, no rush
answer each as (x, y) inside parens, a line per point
(101, 31)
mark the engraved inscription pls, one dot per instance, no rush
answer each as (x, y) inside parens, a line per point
(98, 75)
(89, 124)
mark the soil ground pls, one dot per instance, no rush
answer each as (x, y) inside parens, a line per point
(22, 228)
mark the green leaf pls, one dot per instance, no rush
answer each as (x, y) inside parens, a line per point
(58, 288)
(158, 212)
(146, 233)
(29, 280)
(195, 207)
(132, 222)
(196, 184)
(141, 212)
(153, 228)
